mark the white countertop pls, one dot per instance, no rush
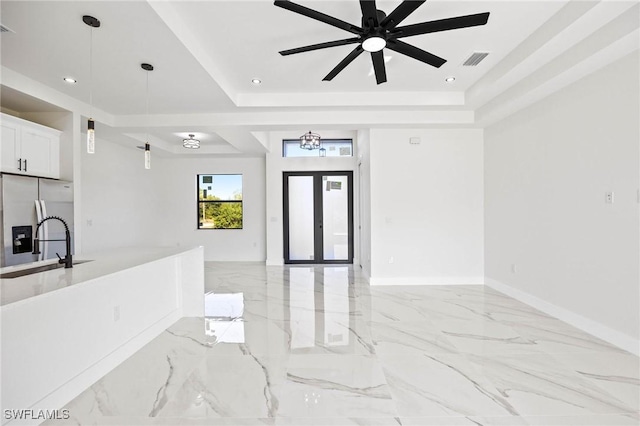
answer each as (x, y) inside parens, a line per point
(13, 290)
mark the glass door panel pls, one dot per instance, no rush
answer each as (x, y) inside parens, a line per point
(301, 218)
(335, 217)
(318, 217)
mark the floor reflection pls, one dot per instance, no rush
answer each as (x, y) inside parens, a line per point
(321, 304)
(315, 308)
(223, 317)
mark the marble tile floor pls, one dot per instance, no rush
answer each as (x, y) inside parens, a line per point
(318, 346)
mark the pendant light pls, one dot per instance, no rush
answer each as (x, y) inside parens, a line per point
(147, 147)
(91, 133)
(147, 156)
(310, 141)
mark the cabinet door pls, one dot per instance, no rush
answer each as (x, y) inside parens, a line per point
(38, 151)
(10, 147)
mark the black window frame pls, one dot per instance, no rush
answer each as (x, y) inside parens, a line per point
(198, 200)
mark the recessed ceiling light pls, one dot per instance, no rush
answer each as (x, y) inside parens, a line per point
(450, 79)
(256, 81)
(70, 80)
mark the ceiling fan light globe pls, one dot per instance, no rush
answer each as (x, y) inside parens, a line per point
(374, 44)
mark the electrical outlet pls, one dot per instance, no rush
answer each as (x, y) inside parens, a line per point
(116, 313)
(609, 197)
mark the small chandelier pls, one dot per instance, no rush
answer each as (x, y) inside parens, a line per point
(310, 141)
(191, 143)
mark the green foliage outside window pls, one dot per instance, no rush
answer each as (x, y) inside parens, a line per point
(220, 202)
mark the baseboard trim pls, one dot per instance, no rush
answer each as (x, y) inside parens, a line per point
(365, 273)
(426, 280)
(608, 334)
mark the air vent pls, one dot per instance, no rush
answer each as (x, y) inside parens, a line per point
(4, 29)
(475, 59)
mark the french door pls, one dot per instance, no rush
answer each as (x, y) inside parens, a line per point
(318, 217)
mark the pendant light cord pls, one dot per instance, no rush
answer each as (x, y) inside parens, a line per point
(147, 120)
(91, 73)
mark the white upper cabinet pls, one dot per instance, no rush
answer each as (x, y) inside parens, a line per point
(10, 146)
(28, 148)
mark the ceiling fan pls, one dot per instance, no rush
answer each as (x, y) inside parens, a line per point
(380, 30)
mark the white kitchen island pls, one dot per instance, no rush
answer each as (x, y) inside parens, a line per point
(63, 329)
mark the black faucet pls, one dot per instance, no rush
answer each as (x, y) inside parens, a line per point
(68, 262)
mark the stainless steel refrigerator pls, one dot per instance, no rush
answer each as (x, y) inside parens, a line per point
(24, 202)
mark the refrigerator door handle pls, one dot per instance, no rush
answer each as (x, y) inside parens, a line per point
(45, 226)
(25, 164)
(41, 213)
(19, 164)
(39, 216)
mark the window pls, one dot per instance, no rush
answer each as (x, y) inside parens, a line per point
(333, 148)
(219, 201)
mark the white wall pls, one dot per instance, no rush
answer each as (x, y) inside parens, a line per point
(426, 206)
(120, 199)
(178, 192)
(276, 164)
(547, 169)
(125, 205)
(364, 201)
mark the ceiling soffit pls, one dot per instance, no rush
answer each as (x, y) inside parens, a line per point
(558, 43)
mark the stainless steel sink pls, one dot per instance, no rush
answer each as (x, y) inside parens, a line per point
(37, 269)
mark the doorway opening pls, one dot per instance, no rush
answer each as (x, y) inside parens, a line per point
(318, 217)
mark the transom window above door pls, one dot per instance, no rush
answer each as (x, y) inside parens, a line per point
(328, 148)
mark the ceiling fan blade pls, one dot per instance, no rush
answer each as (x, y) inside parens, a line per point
(441, 25)
(369, 13)
(320, 46)
(415, 53)
(378, 66)
(346, 61)
(318, 16)
(399, 14)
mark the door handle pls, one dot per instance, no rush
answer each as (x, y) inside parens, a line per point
(25, 164)
(20, 164)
